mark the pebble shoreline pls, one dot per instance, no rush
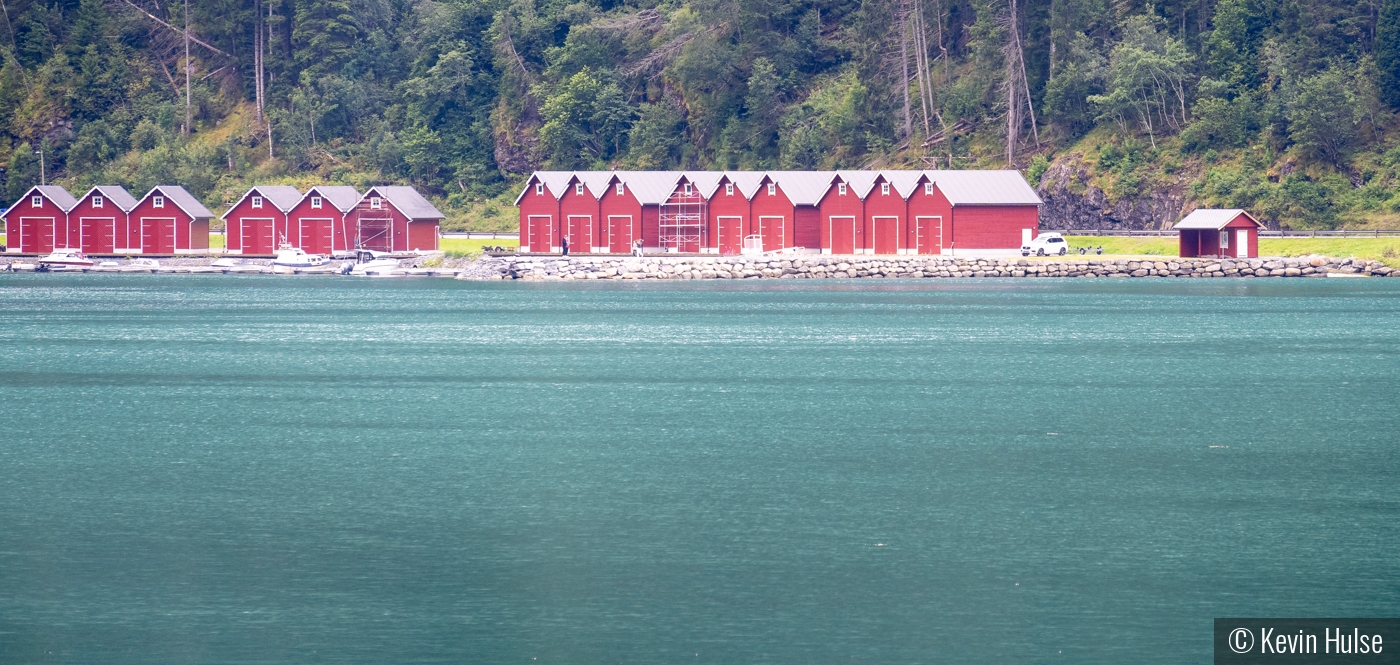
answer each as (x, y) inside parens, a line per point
(910, 267)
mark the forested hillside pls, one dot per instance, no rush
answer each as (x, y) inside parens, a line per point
(1282, 106)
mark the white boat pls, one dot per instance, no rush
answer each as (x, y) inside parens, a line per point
(64, 267)
(246, 268)
(107, 266)
(225, 263)
(205, 270)
(290, 259)
(23, 267)
(141, 265)
(326, 269)
(66, 257)
(172, 269)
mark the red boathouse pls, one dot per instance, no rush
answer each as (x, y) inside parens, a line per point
(38, 222)
(317, 223)
(393, 218)
(100, 220)
(169, 220)
(992, 211)
(1231, 233)
(257, 223)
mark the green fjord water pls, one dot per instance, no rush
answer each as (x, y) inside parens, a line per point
(274, 470)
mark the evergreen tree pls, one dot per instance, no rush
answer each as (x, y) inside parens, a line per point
(1388, 52)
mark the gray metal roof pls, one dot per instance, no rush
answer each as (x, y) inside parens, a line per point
(557, 182)
(408, 201)
(595, 181)
(859, 181)
(746, 181)
(651, 187)
(904, 181)
(1212, 218)
(804, 188)
(116, 194)
(58, 195)
(705, 181)
(282, 197)
(343, 197)
(984, 187)
(182, 198)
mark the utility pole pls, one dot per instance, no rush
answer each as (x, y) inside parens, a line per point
(187, 67)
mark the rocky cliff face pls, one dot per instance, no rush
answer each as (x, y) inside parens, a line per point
(1072, 203)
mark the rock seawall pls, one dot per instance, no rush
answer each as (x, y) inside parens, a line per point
(910, 267)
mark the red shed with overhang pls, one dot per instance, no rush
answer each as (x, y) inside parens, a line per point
(619, 216)
(731, 209)
(100, 220)
(257, 222)
(1223, 233)
(772, 220)
(395, 218)
(170, 220)
(578, 215)
(539, 211)
(38, 222)
(885, 212)
(993, 212)
(842, 210)
(929, 212)
(317, 223)
(804, 190)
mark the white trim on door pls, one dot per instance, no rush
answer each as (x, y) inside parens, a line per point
(831, 233)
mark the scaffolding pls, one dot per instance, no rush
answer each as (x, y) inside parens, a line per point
(682, 226)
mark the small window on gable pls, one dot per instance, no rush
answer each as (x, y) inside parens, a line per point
(841, 189)
(97, 202)
(36, 201)
(539, 188)
(257, 201)
(157, 201)
(578, 188)
(620, 188)
(1225, 239)
(376, 203)
(772, 189)
(729, 189)
(928, 188)
(688, 189)
(316, 202)
(885, 188)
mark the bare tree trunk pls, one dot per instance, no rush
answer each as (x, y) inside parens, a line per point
(921, 61)
(1021, 65)
(904, 64)
(258, 59)
(1013, 127)
(267, 120)
(187, 68)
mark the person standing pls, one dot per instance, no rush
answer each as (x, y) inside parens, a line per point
(566, 245)
(636, 248)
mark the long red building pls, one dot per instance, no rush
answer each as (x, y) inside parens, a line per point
(964, 213)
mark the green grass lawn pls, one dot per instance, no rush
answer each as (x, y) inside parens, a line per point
(1386, 250)
(472, 246)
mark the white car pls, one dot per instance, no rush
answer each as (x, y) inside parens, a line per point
(1046, 244)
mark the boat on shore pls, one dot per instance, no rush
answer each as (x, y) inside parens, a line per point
(66, 257)
(140, 265)
(369, 263)
(293, 260)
